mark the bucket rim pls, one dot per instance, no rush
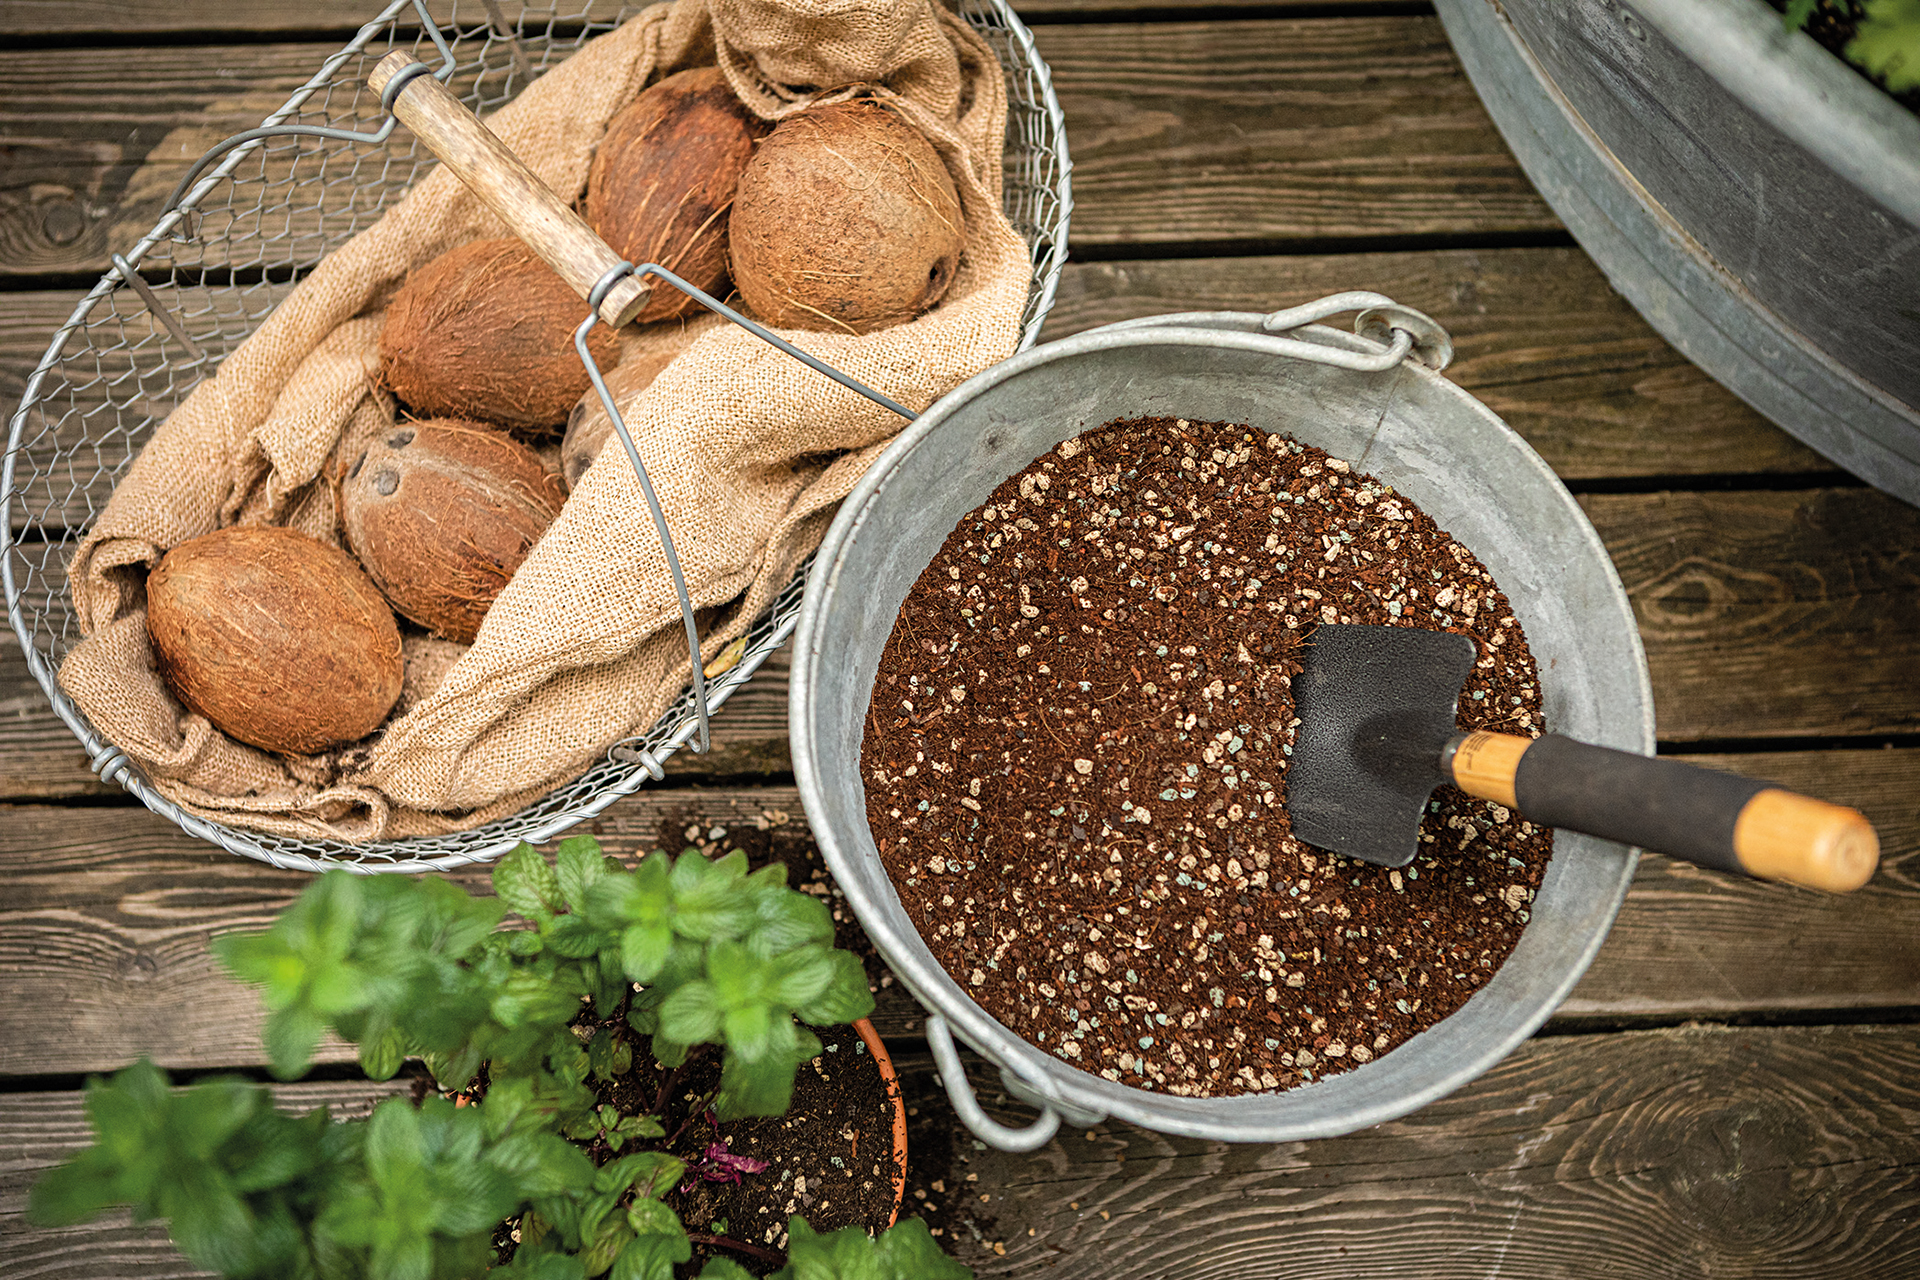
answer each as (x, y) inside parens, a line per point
(1027, 1070)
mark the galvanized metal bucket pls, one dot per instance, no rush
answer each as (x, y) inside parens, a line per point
(1377, 401)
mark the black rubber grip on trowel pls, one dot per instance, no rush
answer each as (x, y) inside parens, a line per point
(1637, 800)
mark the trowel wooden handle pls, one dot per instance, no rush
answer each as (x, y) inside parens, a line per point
(499, 177)
(1717, 820)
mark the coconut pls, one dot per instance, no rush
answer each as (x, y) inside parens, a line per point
(442, 512)
(485, 331)
(588, 426)
(278, 639)
(663, 178)
(845, 220)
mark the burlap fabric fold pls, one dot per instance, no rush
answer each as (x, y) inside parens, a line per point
(748, 449)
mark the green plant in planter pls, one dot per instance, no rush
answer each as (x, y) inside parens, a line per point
(696, 952)
(1886, 38)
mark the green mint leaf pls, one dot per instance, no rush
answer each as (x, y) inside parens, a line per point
(609, 1240)
(726, 1269)
(290, 1036)
(528, 1265)
(785, 919)
(643, 950)
(394, 1147)
(382, 1054)
(1797, 13)
(650, 1175)
(652, 1256)
(690, 1015)
(264, 960)
(907, 1251)
(608, 1056)
(710, 898)
(579, 865)
(845, 998)
(526, 883)
(574, 938)
(846, 1254)
(1886, 42)
(754, 1088)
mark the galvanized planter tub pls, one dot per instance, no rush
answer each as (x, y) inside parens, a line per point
(1407, 424)
(1753, 197)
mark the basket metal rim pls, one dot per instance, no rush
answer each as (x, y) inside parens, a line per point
(494, 839)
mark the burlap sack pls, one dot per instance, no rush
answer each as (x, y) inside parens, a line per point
(748, 449)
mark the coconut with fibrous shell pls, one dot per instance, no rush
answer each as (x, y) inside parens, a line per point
(276, 638)
(442, 512)
(663, 180)
(588, 426)
(845, 220)
(485, 332)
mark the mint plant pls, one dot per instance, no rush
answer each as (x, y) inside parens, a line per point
(1885, 42)
(515, 1014)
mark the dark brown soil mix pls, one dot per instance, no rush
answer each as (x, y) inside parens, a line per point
(1076, 762)
(829, 1158)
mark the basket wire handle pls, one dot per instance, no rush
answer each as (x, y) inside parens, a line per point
(447, 64)
(615, 291)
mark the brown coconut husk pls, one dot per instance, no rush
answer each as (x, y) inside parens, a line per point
(485, 332)
(441, 513)
(846, 220)
(663, 179)
(279, 640)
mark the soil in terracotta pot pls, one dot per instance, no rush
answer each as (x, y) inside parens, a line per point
(1075, 762)
(829, 1158)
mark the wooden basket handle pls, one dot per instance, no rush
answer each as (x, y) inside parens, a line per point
(500, 178)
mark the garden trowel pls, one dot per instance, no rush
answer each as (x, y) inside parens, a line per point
(1377, 735)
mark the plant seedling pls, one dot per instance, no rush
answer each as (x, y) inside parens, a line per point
(696, 952)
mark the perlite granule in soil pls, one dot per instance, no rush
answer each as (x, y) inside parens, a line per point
(1076, 763)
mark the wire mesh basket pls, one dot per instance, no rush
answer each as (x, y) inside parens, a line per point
(247, 231)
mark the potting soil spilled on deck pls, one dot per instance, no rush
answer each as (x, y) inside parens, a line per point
(1076, 752)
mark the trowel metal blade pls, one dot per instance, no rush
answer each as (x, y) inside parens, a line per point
(1376, 708)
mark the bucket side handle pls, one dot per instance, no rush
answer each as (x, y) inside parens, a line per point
(953, 1076)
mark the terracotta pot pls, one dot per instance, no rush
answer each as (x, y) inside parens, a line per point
(871, 1038)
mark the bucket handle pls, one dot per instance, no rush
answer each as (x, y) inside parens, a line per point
(953, 1075)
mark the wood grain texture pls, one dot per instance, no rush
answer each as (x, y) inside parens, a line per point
(1692, 943)
(40, 1130)
(78, 18)
(1772, 614)
(1266, 130)
(1539, 338)
(109, 911)
(1688, 1154)
(1279, 130)
(1764, 615)
(1699, 1152)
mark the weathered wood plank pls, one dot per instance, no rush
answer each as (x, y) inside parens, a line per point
(40, 1130)
(78, 18)
(1708, 1152)
(1789, 614)
(1281, 130)
(1538, 335)
(1696, 944)
(104, 933)
(1787, 1154)
(1261, 131)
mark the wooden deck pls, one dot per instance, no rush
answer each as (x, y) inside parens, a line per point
(1733, 1090)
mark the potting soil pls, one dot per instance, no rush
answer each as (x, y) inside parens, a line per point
(1076, 763)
